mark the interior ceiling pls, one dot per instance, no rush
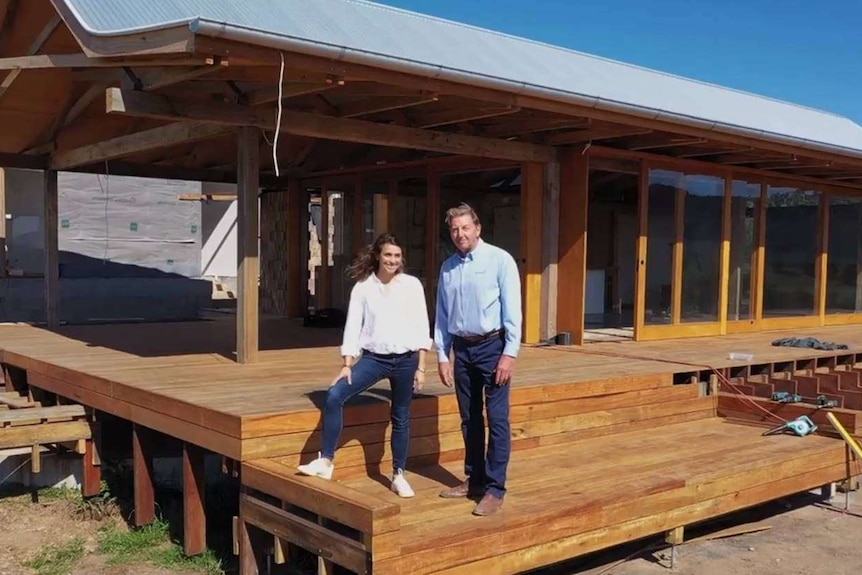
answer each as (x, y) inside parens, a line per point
(58, 109)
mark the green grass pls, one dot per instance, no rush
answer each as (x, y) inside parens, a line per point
(152, 544)
(58, 559)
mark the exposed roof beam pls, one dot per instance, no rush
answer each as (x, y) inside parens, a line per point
(458, 115)
(378, 105)
(293, 90)
(23, 161)
(8, 9)
(37, 44)
(672, 143)
(47, 61)
(721, 152)
(131, 103)
(518, 127)
(164, 136)
(171, 76)
(590, 135)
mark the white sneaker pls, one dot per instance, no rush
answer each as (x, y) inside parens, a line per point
(400, 486)
(320, 467)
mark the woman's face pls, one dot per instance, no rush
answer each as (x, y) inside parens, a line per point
(390, 259)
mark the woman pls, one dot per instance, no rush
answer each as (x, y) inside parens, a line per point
(387, 321)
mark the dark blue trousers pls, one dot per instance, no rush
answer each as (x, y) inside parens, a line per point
(475, 389)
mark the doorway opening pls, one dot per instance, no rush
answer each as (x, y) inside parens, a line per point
(612, 234)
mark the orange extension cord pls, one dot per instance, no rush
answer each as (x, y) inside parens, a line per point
(718, 374)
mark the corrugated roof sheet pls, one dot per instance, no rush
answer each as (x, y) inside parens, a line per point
(406, 36)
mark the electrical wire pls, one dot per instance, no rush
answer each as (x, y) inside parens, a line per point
(278, 115)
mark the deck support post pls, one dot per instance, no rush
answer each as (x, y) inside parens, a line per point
(674, 537)
(52, 250)
(91, 463)
(248, 263)
(194, 510)
(142, 464)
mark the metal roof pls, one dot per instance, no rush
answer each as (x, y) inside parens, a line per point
(369, 33)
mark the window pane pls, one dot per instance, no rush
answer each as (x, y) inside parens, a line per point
(701, 259)
(791, 252)
(663, 188)
(844, 278)
(745, 204)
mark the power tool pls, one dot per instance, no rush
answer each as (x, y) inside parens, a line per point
(784, 397)
(822, 401)
(801, 426)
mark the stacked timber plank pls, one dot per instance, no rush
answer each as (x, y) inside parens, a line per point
(24, 423)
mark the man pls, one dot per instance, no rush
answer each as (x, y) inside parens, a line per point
(479, 316)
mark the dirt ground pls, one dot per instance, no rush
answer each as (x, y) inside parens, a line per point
(27, 527)
(805, 536)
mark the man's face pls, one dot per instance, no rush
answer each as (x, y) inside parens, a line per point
(464, 233)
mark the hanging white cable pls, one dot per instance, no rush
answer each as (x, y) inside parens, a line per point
(278, 116)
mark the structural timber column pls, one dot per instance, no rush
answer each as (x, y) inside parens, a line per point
(52, 251)
(550, 248)
(295, 229)
(2, 222)
(572, 266)
(248, 263)
(532, 191)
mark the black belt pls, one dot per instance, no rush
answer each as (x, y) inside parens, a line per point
(387, 355)
(481, 338)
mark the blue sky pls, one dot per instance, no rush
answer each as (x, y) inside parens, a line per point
(805, 52)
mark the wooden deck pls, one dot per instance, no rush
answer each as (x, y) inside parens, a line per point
(596, 493)
(611, 441)
(180, 379)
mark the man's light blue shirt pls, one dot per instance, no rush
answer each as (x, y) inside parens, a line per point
(478, 293)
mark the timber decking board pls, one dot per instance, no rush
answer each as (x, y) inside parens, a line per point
(563, 492)
(183, 373)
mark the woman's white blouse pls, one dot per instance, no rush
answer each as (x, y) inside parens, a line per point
(387, 318)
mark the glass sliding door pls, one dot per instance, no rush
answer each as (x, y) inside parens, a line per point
(683, 261)
(844, 275)
(701, 259)
(744, 210)
(792, 245)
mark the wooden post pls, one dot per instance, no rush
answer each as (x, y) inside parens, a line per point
(304, 248)
(3, 262)
(358, 239)
(550, 249)
(142, 467)
(248, 549)
(295, 230)
(760, 271)
(52, 251)
(391, 205)
(532, 192)
(643, 242)
(572, 268)
(194, 511)
(821, 270)
(678, 252)
(432, 233)
(248, 268)
(724, 271)
(322, 289)
(92, 463)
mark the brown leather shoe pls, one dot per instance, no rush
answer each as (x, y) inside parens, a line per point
(489, 505)
(461, 490)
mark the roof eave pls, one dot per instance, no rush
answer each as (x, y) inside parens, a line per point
(169, 38)
(221, 30)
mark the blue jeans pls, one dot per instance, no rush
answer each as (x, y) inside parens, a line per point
(474, 386)
(371, 368)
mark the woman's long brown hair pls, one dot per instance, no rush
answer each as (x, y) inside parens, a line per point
(368, 259)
